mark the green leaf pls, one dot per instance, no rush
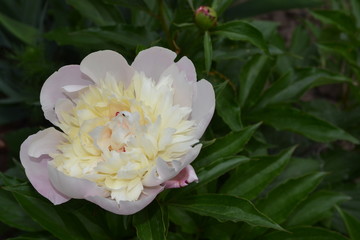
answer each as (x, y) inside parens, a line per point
(352, 224)
(282, 200)
(251, 178)
(150, 223)
(134, 4)
(24, 32)
(221, 5)
(226, 106)
(13, 215)
(242, 31)
(255, 7)
(123, 35)
(226, 208)
(339, 19)
(54, 219)
(253, 77)
(290, 88)
(100, 13)
(207, 51)
(226, 146)
(355, 7)
(183, 219)
(313, 208)
(305, 233)
(294, 120)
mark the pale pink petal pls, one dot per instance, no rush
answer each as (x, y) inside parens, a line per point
(203, 106)
(186, 176)
(186, 65)
(154, 61)
(127, 207)
(34, 157)
(52, 89)
(74, 187)
(165, 171)
(183, 89)
(62, 106)
(98, 64)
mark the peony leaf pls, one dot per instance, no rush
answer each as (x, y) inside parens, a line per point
(226, 208)
(47, 215)
(227, 108)
(313, 209)
(97, 11)
(253, 77)
(242, 31)
(207, 51)
(339, 19)
(281, 201)
(251, 178)
(150, 223)
(352, 224)
(13, 215)
(289, 88)
(226, 146)
(24, 32)
(305, 233)
(294, 120)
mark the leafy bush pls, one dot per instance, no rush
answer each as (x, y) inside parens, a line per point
(280, 158)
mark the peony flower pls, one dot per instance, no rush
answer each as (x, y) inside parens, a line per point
(125, 132)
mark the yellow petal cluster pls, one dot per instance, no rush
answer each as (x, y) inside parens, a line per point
(115, 133)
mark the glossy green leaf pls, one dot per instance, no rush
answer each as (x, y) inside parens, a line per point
(225, 208)
(53, 219)
(226, 146)
(134, 4)
(290, 88)
(13, 215)
(183, 219)
(253, 77)
(294, 120)
(23, 32)
(123, 35)
(221, 5)
(305, 233)
(313, 208)
(251, 178)
(227, 107)
(355, 7)
(207, 51)
(100, 13)
(255, 7)
(352, 224)
(282, 200)
(242, 31)
(336, 18)
(218, 168)
(150, 223)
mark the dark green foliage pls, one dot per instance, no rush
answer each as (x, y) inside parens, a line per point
(280, 159)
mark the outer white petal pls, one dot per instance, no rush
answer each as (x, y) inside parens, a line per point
(154, 61)
(203, 106)
(34, 157)
(165, 171)
(96, 65)
(185, 176)
(183, 89)
(127, 207)
(52, 89)
(74, 187)
(186, 65)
